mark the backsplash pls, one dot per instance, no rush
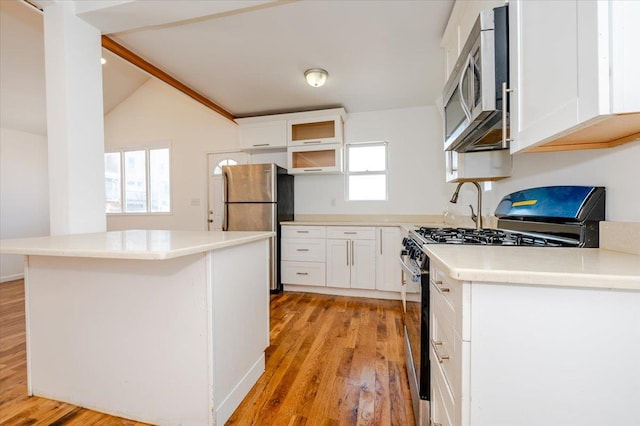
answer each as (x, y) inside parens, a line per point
(620, 236)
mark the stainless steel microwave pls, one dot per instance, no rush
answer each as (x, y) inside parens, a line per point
(475, 107)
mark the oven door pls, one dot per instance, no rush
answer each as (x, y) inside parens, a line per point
(416, 326)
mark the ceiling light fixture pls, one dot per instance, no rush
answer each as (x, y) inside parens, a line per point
(316, 77)
(103, 61)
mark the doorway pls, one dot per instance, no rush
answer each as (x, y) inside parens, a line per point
(215, 195)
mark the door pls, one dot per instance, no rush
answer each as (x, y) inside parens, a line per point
(214, 167)
(338, 263)
(363, 264)
(388, 270)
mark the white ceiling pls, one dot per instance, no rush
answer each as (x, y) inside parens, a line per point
(249, 57)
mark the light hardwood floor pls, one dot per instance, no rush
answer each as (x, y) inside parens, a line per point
(332, 361)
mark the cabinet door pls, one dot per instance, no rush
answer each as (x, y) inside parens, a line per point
(317, 130)
(272, 134)
(315, 159)
(363, 264)
(543, 56)
(339, 263)
(388, 270)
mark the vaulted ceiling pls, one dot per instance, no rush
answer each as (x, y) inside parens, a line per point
(249, 57)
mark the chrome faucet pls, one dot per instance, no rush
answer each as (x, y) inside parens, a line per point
(477, 218)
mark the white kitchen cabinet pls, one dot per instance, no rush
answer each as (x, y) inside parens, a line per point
(573, 71)
(388, 270)
(303, 255)
(507, 354)
(351, 257)
(315, 130)
(317, 159)
(259, 135)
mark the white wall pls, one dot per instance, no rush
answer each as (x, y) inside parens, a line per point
(24, 193)
(416, 166)
(617, 169)
(157, 113)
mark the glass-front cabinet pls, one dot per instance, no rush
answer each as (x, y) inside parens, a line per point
(315, 159)
(315, 130)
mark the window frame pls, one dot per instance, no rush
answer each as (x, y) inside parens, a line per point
(146, 148)
(349, 173)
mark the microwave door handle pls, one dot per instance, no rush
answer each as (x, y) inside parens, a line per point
(464, 105)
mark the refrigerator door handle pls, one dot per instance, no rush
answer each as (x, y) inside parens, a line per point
(225, 197)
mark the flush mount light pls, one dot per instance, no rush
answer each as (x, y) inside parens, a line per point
(316, 77)
(103, 61)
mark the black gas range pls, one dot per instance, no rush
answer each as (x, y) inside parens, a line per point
(556, 216)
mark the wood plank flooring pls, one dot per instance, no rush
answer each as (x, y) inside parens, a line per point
(332, 361)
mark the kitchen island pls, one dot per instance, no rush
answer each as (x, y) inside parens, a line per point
(165, 327)
(534, 335)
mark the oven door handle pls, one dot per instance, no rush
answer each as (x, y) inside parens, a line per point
(414, 272)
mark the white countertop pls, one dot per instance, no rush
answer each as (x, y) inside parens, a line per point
(130, 244)
(570, 267)
(407, 225)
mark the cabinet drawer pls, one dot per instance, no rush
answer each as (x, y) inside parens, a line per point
(442, 401)
(351, 232)
(303, 249)
(303, 231)
(305, 273)
(457, 296)
(443, 339)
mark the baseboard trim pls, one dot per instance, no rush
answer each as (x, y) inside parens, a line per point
(233, 400)
(351, 292)
(13, 277)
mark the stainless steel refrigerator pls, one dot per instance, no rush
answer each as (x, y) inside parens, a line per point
(257, 197)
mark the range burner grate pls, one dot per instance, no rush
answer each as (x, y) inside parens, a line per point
(482, 237)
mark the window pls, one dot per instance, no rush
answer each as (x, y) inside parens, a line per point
(367, 171)
(137, 181)
(227, 162)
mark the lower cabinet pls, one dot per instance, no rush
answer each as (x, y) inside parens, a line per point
(303, 256)
(351, 257)
(351, 263)
(347, 257)
(388, 270)
(529, 355)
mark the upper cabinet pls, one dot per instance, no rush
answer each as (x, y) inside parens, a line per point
(256, 134)
(315, 130)
(574, 74)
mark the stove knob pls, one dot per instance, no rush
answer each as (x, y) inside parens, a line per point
(405, 241)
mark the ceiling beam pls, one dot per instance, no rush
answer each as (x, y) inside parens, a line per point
(136, 60)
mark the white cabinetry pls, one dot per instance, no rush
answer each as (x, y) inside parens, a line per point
(315, 159)
(388, 270)
(256, 134)
(303, 255)
(351, 257)
(314, 130)
(496, 348)
(573, 68)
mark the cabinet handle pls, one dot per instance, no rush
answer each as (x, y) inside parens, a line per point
(347, 252)
(350, 233)
(302, 249)
(442, 289)
(353, 249)
(441, 358)
(310, 142)
(504, 115)
(312, 170)
(302, 273)
(302, 232)
(260, 144)
(381, 241)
